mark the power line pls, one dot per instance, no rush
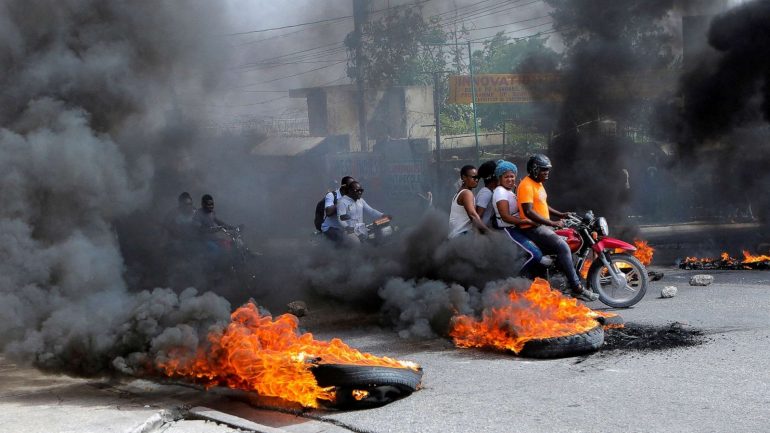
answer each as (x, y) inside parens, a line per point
(289, 54)
(291, 26)
(455, 10)
(519, 30)
(327, 20)
(274, 65)
(273, 99)
(289, 76)
(511, 23)
(494, 9)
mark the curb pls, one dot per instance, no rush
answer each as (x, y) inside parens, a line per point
(207, 414)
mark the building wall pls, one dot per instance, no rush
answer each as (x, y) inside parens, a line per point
(419, 113)
(397, 112)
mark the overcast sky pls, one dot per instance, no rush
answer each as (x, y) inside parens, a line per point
(262, 91)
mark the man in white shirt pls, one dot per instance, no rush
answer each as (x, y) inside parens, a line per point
(331, 227)
(352, 209)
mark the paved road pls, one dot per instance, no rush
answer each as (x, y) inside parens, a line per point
(722, 385)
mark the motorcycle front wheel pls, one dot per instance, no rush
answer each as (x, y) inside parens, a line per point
(622, 291)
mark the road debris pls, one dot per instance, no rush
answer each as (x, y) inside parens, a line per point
(701, 280)
(668, 292)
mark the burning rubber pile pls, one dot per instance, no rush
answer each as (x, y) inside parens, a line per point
(726, 262)
(540, 322)
(268, 356)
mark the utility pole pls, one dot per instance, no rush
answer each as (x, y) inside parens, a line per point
(505, 123)
(473, 100)
(360, 15)
(437, 121)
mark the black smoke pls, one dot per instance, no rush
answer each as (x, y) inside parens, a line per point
(87, 91)
(95, 145)
(608, 45)
(722, 131)
(418, 280)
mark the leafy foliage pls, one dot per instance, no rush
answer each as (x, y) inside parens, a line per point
(397, 49)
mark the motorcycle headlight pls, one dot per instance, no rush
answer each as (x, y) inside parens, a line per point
(604, 229)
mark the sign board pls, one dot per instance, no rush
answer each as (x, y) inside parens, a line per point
(524, 88)
(497, 88)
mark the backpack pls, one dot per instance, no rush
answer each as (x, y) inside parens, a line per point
(320, 211)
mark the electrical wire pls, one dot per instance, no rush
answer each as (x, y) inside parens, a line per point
(289, 76)
(519, 30)
(291, 26)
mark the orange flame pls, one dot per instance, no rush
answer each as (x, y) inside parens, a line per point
(538, 313)
(585, 268)
(749, 258)
(728, 260)
(643, 252)
(257, 353)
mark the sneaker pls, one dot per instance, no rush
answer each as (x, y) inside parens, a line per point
(584, 295)
(546, 261)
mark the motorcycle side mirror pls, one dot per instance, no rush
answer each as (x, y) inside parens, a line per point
(589, 216)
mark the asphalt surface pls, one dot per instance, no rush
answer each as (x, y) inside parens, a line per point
(719, 385)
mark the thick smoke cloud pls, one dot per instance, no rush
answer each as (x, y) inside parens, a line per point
(84, 93)
(419, 280)
(93, 139)
(730, 89)
(723, 125)
(608, 42)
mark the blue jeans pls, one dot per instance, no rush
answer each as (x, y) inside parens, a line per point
(552, 243)
(519, 238)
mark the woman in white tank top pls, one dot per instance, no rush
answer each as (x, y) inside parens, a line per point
(462, 214)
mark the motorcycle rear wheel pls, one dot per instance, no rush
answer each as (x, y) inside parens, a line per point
(611, 293)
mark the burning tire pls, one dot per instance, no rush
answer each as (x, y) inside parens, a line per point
(361, 386)
(625, 291)
(612, 321)
(561, 347)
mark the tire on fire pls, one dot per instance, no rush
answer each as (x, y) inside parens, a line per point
(569, 345)
(382, 385)
(611, 321)
(636, 274)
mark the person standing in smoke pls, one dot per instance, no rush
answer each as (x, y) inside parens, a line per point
(507, 216)
(484, 205)
(533, 204)
(331, 227)
(179, 223)
(352, 209)
(462, 213)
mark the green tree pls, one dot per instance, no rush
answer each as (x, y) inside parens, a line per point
(524, 123)
(400, 48)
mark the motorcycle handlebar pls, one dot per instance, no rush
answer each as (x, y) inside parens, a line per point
(572, 221)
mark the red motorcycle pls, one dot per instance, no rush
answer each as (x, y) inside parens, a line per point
(618, 277)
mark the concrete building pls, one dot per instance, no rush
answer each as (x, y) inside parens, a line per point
(392, 113)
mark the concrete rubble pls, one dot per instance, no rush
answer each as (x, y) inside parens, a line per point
(701, 280)
(668, 292)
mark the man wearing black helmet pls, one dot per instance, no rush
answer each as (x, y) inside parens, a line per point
(533, 204)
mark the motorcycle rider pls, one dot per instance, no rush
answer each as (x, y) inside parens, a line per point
(331, 227)
(484, 206)
(179, 222)
(351, 210)
(209, 226)
(508, 218)
(462, 213)
(533, 204)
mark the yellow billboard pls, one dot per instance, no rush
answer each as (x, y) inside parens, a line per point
(497, 88)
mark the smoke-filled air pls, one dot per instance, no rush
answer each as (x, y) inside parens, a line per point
(109, 110)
